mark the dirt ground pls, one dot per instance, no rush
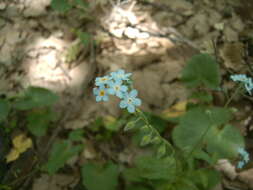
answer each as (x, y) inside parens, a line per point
(152, 40)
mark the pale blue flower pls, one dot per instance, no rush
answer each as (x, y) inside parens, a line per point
(247, 81)
(102, 80)
(239, 77)
(240, 164)
(120, 75)
(101, 94)
(130, 101)
(245, 158)
(116, 88)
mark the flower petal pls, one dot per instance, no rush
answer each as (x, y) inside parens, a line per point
(137, 102)
(131, 108)
(95, 91)
(123, 104)
(105, 98)
(133, 93)
(98, 98)
(123, 88)
(111, 91)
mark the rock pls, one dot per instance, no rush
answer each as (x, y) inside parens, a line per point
(227, 168)
(36, 8)
(148, 84)
(2, 6)
(247, 177)
(230, 35)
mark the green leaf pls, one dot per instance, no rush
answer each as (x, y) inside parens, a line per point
(186, 184)
(61, 152)
(205, 178)
(202, 96)
(201, 69)
(224, 142)
(161, 150)
(76, 135)
(60, 5)
(153, 168)
(196, 123)
(36, 97)
(38, 121)
(98, 176)
(146, 140)
(130, 125)
(137, 187)
(84, 37)
(4, 109)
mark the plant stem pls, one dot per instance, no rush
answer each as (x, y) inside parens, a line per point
(233, 95)
(144, 118)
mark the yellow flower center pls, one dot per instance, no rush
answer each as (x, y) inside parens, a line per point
(101, 93)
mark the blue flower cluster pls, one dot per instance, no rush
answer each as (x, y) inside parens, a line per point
(245, 158)
(247, 81)
(117, 83)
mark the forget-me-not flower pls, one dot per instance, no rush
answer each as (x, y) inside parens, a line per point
(130, 101)
(247, 81)
(102, 80)
(101, 93)
(116, 88)
(245, 158)
(120, 75)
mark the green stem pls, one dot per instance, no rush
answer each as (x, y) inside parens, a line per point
(144, 118)
(233, 95)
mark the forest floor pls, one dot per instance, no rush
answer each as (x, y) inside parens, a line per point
(153, 41)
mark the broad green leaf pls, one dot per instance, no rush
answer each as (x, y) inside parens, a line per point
(76, 135)
(60, 5)
(98, 176)
(185, 184)
(61, 152)
(36, 97)
(137, 187)
(202, 96)
(38, 121)
(153, 168)
(224, 142)
(133, 175)
(201, 69)
(205, 178)
(4, 109)
(196, 124)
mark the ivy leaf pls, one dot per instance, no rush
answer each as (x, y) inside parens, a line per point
(61, 152)
(36, 97)
(4, 109)
(98, 176)
(201, 69)
(60, 5)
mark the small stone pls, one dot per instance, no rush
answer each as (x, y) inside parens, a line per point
(131, 32)
(2, 6)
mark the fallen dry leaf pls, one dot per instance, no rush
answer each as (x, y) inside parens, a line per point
(177, 110)
(20, 144)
